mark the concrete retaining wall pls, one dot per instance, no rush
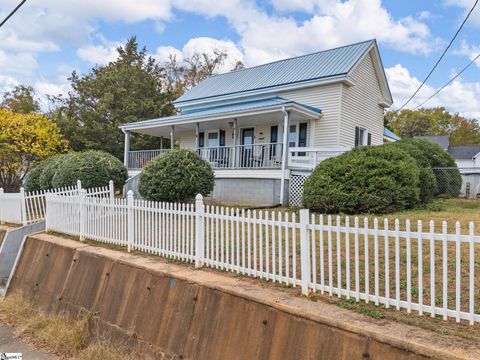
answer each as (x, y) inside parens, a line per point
(195, 314)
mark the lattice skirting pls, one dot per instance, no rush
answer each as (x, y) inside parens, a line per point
(296, 189)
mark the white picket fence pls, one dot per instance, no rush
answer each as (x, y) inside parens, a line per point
(401, 267)
(29, 207)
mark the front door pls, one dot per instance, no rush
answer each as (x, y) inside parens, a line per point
(246, 154)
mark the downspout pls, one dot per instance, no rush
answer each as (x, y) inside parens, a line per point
(286, 116)
(126, 148)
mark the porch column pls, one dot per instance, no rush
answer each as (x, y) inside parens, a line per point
(161, 142)
(172, 137)
(235, 125)
(286, 120)
(126, 148)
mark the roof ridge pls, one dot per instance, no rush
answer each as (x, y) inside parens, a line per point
(292, 58)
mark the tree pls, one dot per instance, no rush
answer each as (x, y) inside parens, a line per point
(21, 100)
(126, 90)
(435, 121)
(25, 139)
(182, 76)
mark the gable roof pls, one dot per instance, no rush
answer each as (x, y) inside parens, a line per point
(441, 140)
(323, 65)
(464, 151)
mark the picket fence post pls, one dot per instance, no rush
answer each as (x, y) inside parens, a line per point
(111, 189)
(23, 201)
(1, 208)
(81, 197)
(130, 220)
(305, 259)
(199, 231)
(79, 186)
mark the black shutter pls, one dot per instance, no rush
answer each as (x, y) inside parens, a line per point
(201, 139)
(369, 140)
(357, 135)
(302, 137)
(274, 134)
(221, 140)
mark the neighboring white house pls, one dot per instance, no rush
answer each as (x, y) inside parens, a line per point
(265, 128)
(467, 158)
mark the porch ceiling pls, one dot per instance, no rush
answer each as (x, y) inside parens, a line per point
(270, 112)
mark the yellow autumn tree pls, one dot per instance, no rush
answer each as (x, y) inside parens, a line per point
(25, 139)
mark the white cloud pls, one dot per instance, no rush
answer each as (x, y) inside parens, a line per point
(202, 45)
(100, 54)
(469, 50)
(459, 96)
(466, 5)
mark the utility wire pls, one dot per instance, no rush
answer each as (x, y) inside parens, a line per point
(451, 80)
(13, 12)
(441, 57)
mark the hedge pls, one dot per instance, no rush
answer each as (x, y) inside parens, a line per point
(176, 176)
(376, 179)
(93, 168)
(50, 167)
(428, 181)
(32, 180)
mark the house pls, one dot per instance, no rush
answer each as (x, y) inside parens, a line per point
(467, 158)
(265, 128)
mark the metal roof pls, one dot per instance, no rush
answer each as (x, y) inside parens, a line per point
(390, 134)
(464, 151)
(227, 110)
(441, 140)
(321, 65)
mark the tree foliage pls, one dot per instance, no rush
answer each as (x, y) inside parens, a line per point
(434, 121)
(182, 76)
(126, 90)
(25, 139)
(178, 175)
(21, 100)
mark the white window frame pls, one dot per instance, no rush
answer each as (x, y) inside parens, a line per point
(362, 140)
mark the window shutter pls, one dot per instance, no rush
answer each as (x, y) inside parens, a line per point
(221, 140)
(274, 134)
(369, 139)
(357, 135)
(201, 139)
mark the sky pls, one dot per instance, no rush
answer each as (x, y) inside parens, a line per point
(47, 39)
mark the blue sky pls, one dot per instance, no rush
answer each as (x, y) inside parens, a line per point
(47, 39)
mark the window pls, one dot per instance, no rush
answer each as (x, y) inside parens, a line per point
(201, 139)
(212, 139)
(360, 136)
(273, 140)
(292, 136)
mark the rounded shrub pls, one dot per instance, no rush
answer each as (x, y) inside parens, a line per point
(50, 166)
(428, 182)
(178, 175)
(377, 179)
(93, 168)
(32, 180)
(447, 175)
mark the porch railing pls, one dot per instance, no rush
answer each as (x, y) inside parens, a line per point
(255, 156)
(138, 159)
(305, 158)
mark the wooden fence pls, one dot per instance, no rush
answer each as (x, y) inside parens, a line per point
(425, 269)
(29, 207)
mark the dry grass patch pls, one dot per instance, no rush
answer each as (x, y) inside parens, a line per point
(63, 335)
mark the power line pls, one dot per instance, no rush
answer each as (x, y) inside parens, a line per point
(441, 57)
(13, 12)
(451, 80)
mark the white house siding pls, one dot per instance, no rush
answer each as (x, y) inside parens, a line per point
(328, 99)
(360, 105)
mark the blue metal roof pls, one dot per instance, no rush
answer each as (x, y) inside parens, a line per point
(390, 134)
(320, 65)
(223, 109)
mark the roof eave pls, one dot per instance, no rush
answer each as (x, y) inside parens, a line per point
(266, 91)
(161, 122)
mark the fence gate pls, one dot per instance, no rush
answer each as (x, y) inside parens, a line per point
(296, 188)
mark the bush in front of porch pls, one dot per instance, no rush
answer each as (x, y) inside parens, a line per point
(176, 176)
(377, 179)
